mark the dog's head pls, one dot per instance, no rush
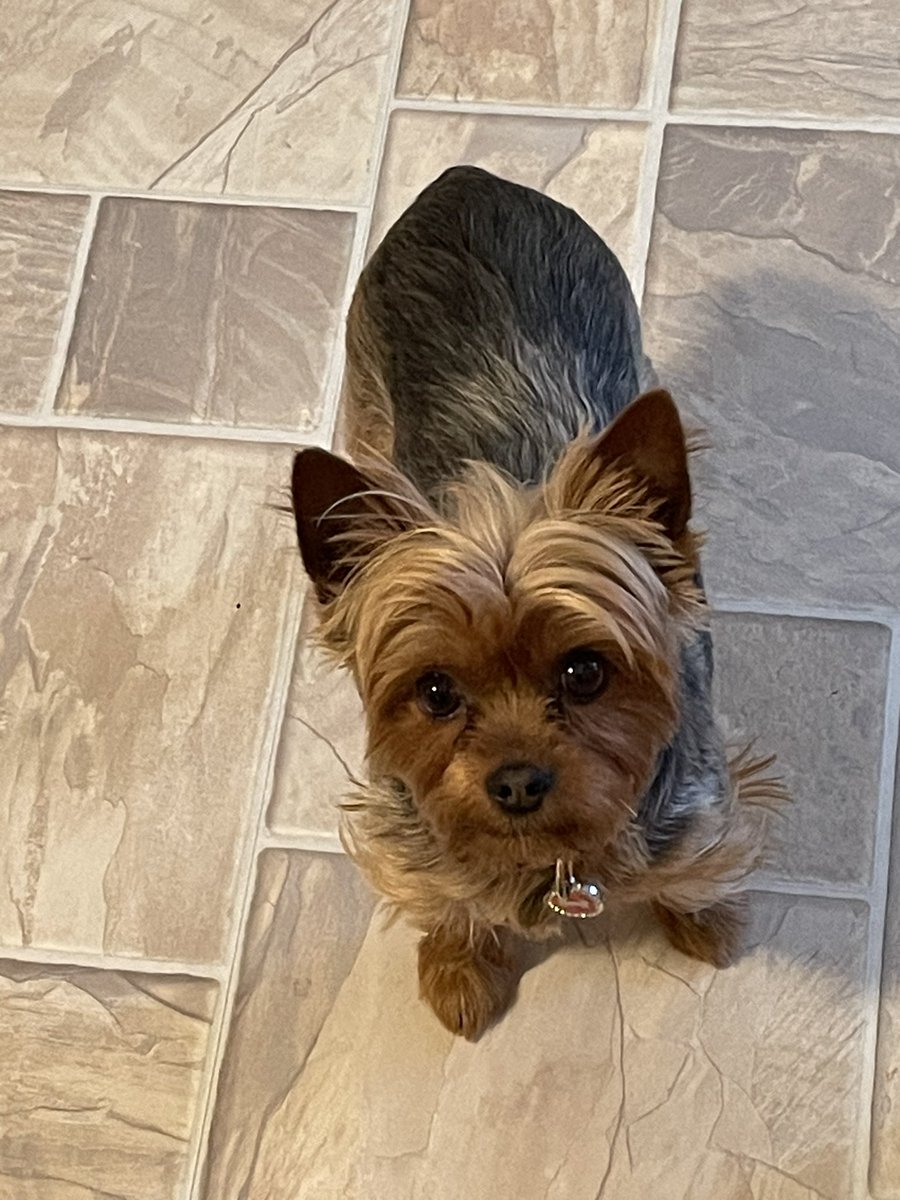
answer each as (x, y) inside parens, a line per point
(517, 652)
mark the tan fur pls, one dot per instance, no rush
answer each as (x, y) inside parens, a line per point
(467, 976)
(696, 893)
(713, 935)
(402, 856)
(494, 585)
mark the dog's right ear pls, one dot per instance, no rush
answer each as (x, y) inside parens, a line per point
(342, 514)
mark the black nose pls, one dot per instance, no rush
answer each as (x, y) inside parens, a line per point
(519, 788)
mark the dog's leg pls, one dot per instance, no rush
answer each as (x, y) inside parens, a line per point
(467, 977)
(714, 934)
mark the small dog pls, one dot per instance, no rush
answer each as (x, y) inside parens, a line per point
(508, 572)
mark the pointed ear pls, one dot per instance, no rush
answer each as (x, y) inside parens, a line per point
(341, 514)
(647, 440)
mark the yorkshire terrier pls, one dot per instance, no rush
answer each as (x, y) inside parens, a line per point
(507, 570)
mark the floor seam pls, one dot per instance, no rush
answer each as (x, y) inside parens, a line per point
(57, 367)
(661, 86)
(278, 701)
(878, 914)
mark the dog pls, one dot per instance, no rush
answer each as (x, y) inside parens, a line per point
(507, 569)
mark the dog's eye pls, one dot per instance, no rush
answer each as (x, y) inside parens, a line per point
(583, 675)
(437, 694)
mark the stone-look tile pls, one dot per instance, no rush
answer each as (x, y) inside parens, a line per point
(268, 99)
(309, 917)
(771, 309)
(143, 595)
(592, 167)
(38, 240)
(101, 1074)
(825, 58)
(617, 1075)
(582, 53)
(322, 741)
(194, 312)
(813, 693)
(885, 1166)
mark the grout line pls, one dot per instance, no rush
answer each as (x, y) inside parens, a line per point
(70, 309)
(243, 892)
(101, 961)
(645, 207)
(812, 612)
(663, 68)
(124, 193)
(315, 840)
(366, 215)
(878, 919)
(277, 703)
(802, 887)
(329, 430)
(798, 121)
(488, 108)
(227, 433)
(682, 116)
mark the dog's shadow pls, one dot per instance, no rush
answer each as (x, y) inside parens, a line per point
(794, 383)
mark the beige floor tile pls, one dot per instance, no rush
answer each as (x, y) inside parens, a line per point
(592, 167)
(616, 1076)
(144, 587)
(813, 692)
(310, 914)
(771, 309)
(101, 1074)
(885, 1169)
(322, 741)
(825, 58)
(194, 312)
(38, 240)
(268, 99)
(580, 53)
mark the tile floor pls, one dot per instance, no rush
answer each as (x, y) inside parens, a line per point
(197, 998)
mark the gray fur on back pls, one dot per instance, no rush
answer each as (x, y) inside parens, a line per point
(511, 327)
(507, 327)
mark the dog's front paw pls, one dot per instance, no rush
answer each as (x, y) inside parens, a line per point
(467, 983)
(713, 935)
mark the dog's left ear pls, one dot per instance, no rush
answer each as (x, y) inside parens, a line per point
(342, 514)
(646, 440)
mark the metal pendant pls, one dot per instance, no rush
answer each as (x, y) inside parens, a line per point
(572, 898)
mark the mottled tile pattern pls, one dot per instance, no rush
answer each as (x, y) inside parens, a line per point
(38, 240)
(143, 599)
(813, 693)
(580, 53)
(885, 1165)
(771, 309)
(101, 1071)
(322, 742)
(195, 96)
(149, 589)
(211, 313)
(566, 159)
(625, 1073)
(824, 58)
(310, 914)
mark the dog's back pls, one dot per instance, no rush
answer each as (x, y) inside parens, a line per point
(491, 324)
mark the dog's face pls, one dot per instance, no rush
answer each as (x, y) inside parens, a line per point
(518, 659)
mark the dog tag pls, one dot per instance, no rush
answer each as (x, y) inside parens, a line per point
(570, 897)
